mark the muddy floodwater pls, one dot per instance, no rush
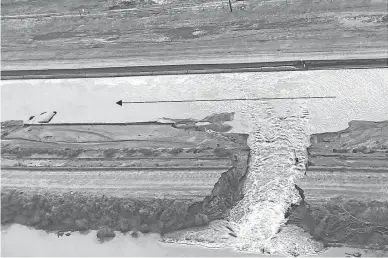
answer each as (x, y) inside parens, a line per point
(19, 240)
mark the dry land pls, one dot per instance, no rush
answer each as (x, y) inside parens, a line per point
(148, 177)
(130, 32)
(345, 190)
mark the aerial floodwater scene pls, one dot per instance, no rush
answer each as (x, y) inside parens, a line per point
(201, 128)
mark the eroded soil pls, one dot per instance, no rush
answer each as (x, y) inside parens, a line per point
(345, 189)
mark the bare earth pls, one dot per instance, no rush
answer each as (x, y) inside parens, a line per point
(118, 33)
(345, 189)
(137, 176)
(132, 161)
(340, 161)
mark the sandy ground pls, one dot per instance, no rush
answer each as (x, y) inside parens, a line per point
(195, 59)
(321, 185)
(339, 160)
(179, 184)
(186, 32)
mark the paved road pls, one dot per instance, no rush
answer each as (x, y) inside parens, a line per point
(298, 65)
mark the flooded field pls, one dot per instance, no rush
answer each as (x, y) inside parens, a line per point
(19, 240)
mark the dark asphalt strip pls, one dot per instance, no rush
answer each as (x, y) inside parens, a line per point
(195, 69)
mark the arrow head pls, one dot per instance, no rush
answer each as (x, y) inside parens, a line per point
(120, 102)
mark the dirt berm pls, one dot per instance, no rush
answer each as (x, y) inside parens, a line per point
(74, 147)
(345, 199)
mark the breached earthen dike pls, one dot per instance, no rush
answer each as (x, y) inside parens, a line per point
(55, 181)
(120, 176)
(345, 198)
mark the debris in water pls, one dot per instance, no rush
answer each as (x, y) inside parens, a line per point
(232, 234)
(229, 228)
(356, 254)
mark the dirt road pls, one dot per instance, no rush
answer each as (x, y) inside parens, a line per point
(111, 32)
(192, 184)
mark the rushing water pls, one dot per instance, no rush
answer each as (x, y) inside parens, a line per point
(279, 130)
(277, 135)
(269, 190)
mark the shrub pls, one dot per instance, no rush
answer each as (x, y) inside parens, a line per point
(109, 153)
(221, 152)
(105, 233)
(146, 152)
(340, 150)
(73, 153)
(129, 152)
(176, 151)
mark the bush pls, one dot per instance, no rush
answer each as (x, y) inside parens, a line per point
(73, 153)
(109, 153)
(340, 150)
(359, 149)
(146, 152)
(105, 233)
(221, 152)
(176, 151)
(129, 152)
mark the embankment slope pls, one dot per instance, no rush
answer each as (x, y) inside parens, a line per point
(345, 189)
(149, 177)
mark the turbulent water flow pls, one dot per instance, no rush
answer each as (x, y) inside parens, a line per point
(278, 154)
(278, 140)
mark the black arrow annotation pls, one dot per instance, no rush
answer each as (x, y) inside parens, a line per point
(120, 102)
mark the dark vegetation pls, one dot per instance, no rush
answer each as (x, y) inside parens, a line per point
(109, 153)
(349, 222)
(27, 151)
